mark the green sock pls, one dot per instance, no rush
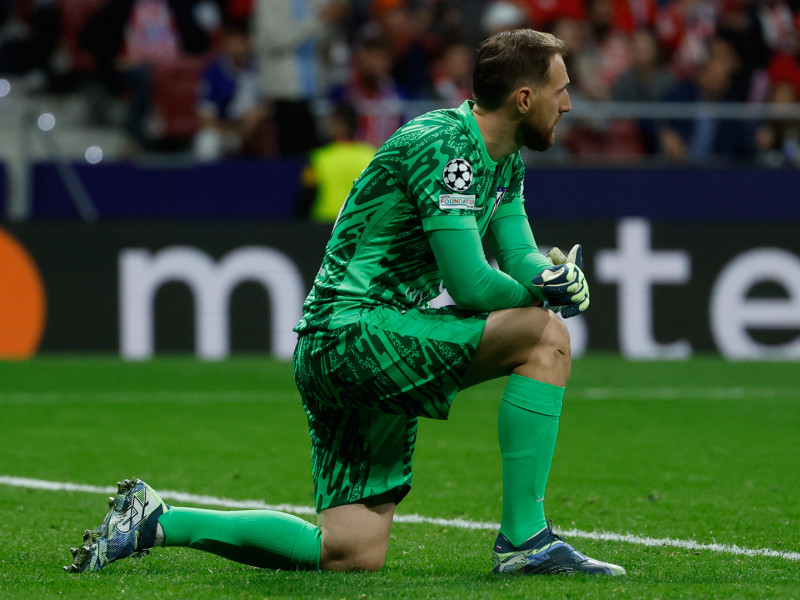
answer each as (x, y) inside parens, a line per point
(261, 538)
(527, 427)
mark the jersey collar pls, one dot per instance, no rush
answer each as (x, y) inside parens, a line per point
(466, 110)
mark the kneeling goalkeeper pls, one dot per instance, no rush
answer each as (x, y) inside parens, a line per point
(372, 356)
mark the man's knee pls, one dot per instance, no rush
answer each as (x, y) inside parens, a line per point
(531, 341)
(338, 556)
(355, 536)
(548, 350)
(537, 331)
(552, 340)
(555, 336)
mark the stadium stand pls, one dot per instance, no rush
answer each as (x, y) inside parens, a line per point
(74, 14)
(174, 96)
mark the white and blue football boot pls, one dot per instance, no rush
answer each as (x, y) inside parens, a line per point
(129, 528)
(546, 554)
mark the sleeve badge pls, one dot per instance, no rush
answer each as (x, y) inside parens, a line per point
(458, 175)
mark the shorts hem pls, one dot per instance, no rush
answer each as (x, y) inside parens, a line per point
(400, 492)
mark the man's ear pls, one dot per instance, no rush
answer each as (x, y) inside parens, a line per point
(525, 98)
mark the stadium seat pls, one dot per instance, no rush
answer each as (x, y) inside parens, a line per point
(175, 95)
(618, 141)
(74, 14)
(623, 141)
(23, 9)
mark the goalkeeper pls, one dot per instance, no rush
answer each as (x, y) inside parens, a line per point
(372, 355)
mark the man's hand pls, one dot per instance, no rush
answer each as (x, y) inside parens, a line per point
(563, 285)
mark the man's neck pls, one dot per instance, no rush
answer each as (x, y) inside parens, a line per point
(498, 132)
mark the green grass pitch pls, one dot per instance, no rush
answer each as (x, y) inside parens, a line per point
(705, 451)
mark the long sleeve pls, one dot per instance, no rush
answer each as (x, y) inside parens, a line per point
(516, 251)
(471, 281)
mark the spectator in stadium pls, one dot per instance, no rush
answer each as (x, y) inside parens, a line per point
(371, 89)
(605, 52)
(128, 37)
(451, 22)
(779, 140)
(630, 15)
(544, 13)
(411, 49)
(14, 35)
(723, 50)
(332, 168)
(28, 39)
(583, 136)
(706, 138)
(647, 80)
(739, 28)
(373, 356)
(452, 79)
(237, 9)
(684, 28)
(287, 38)
(785, 67)
(503, 15)
(779, 25)
(229, 108)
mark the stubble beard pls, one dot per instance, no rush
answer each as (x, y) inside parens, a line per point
(536, 137)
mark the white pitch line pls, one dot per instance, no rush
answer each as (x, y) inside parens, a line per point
(59, 486)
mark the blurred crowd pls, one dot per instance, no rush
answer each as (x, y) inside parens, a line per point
(269, 78)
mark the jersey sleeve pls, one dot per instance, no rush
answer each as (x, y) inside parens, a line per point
(471, 281)
(438, 176)
(511, 238)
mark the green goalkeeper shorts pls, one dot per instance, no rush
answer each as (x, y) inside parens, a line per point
(363, 387)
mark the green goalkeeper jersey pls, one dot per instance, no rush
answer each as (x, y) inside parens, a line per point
(434, 173)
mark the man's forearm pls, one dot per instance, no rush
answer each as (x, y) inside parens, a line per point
(516, 251)
(470, 280)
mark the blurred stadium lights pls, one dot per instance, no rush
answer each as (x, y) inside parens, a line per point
(20, 208)
(94, 154)
(46, 121)
(5, 88)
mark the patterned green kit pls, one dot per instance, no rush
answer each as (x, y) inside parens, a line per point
(372, 355)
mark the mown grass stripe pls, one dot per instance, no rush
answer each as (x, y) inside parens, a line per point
(680, 393)
(282, 395)
(122, 397)
(184, 497)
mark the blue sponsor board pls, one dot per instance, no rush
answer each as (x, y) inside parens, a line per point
(667, 193)
(264, 189)
(226, 190)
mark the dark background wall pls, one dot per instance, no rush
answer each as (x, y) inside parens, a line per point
(253, 189)
(653, 283)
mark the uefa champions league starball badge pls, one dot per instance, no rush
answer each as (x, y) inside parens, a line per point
(458, 175)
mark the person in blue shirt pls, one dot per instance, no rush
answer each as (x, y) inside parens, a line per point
(231, 116)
